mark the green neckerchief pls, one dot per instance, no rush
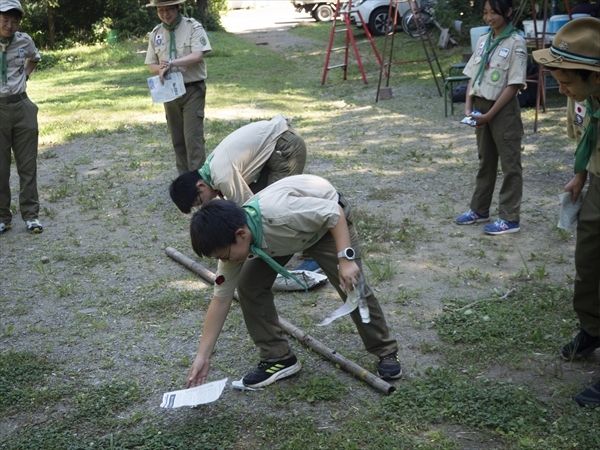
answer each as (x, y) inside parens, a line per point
(254, 222)
(171, 30)
(490, 45)
(204, 171)
(3, 63)
(588, 141)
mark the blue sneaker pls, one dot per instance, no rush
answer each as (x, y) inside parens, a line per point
(471, 217)
(309, 265)
(502, 226)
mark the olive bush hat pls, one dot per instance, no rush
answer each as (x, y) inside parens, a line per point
(575, 46)
(154, 3)
(7, 5)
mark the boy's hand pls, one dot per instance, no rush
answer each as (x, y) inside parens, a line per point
(349, 273)
(575, 186)
(198, 372)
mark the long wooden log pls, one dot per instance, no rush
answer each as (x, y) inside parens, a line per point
(296, 332)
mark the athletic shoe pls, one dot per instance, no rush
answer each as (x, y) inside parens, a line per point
(471, 217)
(34, 226)
(310, 265)
(582, 345)
(389, 367)
(502, 226)
(591, 396)
(4, 227)
(269, 372)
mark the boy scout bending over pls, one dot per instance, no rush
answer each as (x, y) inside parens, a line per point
(18, 118)
(574, 60)
(253, 242)
(253, 156)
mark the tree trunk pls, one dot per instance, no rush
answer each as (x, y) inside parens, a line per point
(51, 26)
(202, 6)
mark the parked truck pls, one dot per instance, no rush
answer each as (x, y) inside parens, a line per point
(322, 11)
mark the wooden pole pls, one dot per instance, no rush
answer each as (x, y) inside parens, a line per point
(294, 331)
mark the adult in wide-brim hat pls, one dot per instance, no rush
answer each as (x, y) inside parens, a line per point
(156, 3)
(575, 46)
(7, 5)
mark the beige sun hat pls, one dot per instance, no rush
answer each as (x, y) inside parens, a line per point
(7, 5)
(575, 46)
(154, 3)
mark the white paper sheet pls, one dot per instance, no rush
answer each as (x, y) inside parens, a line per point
(311, 279)
(567, 217)
(198, 395)
(172, 89)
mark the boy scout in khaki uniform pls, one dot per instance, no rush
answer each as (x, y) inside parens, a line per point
(18, 118)
(253, 242)
(179, 44)
(497, 70)
(250, 158)
(574, 61)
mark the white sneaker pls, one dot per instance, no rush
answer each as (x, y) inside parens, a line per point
(34, 226)
(4, 227)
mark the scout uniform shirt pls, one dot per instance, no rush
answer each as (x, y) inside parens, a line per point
(296, 212)
(578, 119)
(189, 37)
(240, 157)
(507, 65)
(18, 51)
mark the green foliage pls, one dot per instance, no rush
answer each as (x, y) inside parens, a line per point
(77, 22)
(319, 388)
(528, 320)
(21, 374)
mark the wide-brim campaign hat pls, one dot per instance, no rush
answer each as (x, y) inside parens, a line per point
(154, 3)
(7, 5)
(575, 46)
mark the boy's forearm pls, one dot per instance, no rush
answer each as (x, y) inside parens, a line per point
(213, 323)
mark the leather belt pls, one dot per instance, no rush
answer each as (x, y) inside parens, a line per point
(193, 83)
(13, 98)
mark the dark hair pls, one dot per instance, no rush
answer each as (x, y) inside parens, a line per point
(214, 225)
(183, 190)
(501, 7)
(584, 74)
(14, 13)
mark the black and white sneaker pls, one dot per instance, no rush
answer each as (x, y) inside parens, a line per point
(389, 367)
(269, 372)
(581, 346)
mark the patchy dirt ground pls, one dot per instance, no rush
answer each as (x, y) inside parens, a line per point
(97, 291)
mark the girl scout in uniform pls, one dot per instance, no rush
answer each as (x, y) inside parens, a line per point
(497, 70)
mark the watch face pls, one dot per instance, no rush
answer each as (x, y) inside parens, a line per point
(349, 253)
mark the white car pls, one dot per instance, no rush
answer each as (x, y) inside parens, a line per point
(375, 14)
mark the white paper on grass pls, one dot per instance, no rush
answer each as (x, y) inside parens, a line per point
(567, 216)
(311, 279)
(198, 395)
(172, 89)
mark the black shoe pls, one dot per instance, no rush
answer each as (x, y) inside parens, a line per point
(582, 345)
(591, 396)
(389, 367)
(269, 372)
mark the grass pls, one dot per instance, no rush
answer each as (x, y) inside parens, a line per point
(97, 323)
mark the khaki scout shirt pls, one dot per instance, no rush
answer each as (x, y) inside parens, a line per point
(240, 157)
(578, 119)
(507, 65)
(189, 37)
(21, 49)
(296, 212)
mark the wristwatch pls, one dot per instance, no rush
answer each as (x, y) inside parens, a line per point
(170, 62)
(347, 253)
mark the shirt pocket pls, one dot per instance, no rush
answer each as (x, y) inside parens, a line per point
(500, 66)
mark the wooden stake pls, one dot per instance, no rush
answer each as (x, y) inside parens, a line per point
(296, 332)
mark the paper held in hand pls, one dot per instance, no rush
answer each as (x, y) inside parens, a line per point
(198, 395)
(172, 89)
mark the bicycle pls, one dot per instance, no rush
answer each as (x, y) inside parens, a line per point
(423, 24)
